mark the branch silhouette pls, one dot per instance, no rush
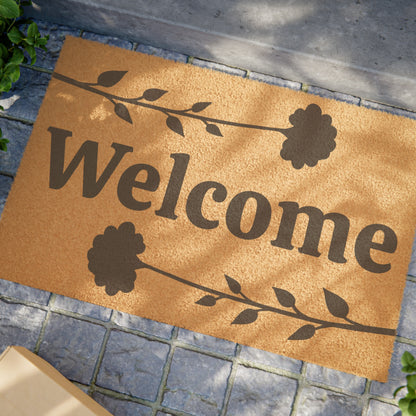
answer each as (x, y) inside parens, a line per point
(113, 260)
(309, 140)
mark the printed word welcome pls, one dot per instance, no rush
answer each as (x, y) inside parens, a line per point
(92, 186)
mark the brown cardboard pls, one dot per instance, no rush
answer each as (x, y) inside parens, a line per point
(195, 202)
(29, 386)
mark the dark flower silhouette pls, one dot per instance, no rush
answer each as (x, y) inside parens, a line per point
(113, 258)
(310, 139)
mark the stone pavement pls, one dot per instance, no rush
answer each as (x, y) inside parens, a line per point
(134, 366)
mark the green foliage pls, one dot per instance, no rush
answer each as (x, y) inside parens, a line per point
(17, 35)
(408, 403)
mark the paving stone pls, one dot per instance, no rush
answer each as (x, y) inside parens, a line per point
(133, 365)
(270, 359)
(396, 377)
(5, 186)
(83, 308)
(196, 383)
(407, 322)
(388, 109)
(218, 67)
(347, 382)
(57, 35)
(339, 96)
(118, 407)
(412, 265)
(207, 342)
(109, 40)
(19, 325)
(377, 408)
(26, 95)
(163, 53)
(315, 401)
(163, 414)
(18, 135)
(268, 79)
(17, 291)
(256, 392)
(72, 346)
(142, 324)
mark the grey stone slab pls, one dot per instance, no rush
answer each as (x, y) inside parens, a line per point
(26, 95)
(361, 48)
(163, 414)
(196, 383)
(5, 186)
(17, 291)
(268, 79)
(396, 377)
(162, 53)
(57, 34)
(347, 382)
(407, 322)
(18, 135)
(257, 392)
(322, 92)
(19, 325)
(132, 365)
(109, 40)
(314, 401)
(376, 408)
(72, 346)
(118, 407)
(267, 358)
(142, 324)
(412, 265)
(207, 342)
(388, 109)
(218, 67)
(83, 308)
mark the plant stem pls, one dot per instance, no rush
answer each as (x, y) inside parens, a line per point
(134, 101)
(297, 314)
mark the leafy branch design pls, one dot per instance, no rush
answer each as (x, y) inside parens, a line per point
(113, 261)
(309, 140)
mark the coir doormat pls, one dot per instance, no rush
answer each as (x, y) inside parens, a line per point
(246, 211)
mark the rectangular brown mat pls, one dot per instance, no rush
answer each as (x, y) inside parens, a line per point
(226, 206)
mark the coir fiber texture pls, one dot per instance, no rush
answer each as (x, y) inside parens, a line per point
(246, 211)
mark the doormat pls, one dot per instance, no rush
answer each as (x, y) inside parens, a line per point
(253, 213)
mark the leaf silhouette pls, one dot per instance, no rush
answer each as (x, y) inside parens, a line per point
(234, 286)
(214, 129)
(153, 94)
(284, 297)
(197, 107)
(248, 316)
(304, 332)
(121, 110)
(175, 125)
(336, 305)
(110, 78)
(207, 300)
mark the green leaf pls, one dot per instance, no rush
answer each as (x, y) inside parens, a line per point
(3, 51)
(3, 144)
(9, 9)
(411, 382)
(404, 405)
(17, 57)
(32, 30)
(13, 72)
(15, 35)
(408, 363)
(32, 53)
(412, 408)
(5, 84)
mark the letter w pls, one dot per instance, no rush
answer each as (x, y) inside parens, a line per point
(59, 176)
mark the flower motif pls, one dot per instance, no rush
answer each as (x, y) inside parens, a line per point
(113, 258)
(310, 139)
